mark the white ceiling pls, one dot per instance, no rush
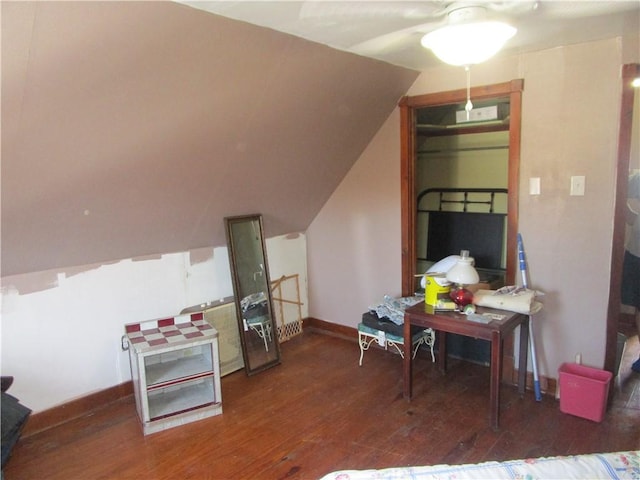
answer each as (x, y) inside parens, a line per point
(391, 30)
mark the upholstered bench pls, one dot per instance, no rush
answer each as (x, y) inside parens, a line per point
(367, 335)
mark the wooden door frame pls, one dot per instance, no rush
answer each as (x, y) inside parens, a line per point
(408, 106)
(629, 72)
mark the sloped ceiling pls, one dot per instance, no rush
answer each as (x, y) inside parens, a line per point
(390, 30)
(133, 128)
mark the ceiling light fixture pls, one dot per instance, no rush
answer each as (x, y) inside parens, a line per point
(468, 38)
(468, 44)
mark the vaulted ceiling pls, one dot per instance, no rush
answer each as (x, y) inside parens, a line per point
(132, 128)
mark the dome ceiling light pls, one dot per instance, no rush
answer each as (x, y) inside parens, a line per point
(468, 38)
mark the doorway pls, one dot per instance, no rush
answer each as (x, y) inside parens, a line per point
(628, 136)
(509, 93)
(409, 107)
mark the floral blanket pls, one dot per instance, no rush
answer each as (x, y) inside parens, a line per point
(616, 465)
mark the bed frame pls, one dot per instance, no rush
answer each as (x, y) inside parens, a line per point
(474, 219)
(464, 219)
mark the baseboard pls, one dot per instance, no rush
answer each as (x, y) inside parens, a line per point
(46, 419)
(342, 331)
(547, 385)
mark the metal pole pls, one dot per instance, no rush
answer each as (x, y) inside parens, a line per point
(532, 343)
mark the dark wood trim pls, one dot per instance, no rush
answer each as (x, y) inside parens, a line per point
(407, 196)
(629, 72)
(513, 182)
(408, 105)
(455, 96)
(334, 329)
(548, 386)
(46, 419)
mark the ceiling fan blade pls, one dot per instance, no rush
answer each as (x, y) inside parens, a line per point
(569, 10)
(367, 10)
(393, 40)
(440, 13)
(513, 7)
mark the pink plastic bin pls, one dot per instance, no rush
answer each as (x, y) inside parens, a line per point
(584, 391)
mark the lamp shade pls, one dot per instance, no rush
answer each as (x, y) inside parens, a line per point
(468, 43)
(463, 273)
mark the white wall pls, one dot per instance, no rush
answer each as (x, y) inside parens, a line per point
(61, 331)
(570, 113)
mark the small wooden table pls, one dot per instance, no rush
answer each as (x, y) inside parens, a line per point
(455, 322)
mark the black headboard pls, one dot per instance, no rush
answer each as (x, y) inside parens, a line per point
(464, 219)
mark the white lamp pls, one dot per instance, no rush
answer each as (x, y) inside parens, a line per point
(462, 273)
(468, 38)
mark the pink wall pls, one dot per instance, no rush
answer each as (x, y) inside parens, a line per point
(133, 128)
(569, 127)
(353, 253)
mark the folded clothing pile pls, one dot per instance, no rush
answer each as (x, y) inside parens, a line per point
(14, 417)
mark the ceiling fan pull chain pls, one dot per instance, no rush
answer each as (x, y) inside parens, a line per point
(469, 106)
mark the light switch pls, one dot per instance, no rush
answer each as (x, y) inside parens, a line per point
(577, 185)
(534, 186)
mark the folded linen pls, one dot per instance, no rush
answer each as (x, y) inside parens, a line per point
(522, 301)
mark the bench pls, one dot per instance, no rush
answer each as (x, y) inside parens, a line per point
(367, 335)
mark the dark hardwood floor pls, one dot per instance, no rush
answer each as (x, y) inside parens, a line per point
(319, 412)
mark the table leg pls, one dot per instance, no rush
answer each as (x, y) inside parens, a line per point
(524, 348)
(407, 361)
(442, 351)
(496, 373)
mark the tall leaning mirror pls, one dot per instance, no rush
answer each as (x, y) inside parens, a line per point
(252, 292)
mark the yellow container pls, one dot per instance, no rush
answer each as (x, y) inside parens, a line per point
(433, 291)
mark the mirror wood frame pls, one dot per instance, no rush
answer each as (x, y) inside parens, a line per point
(238, 293)
(629, 72)
(408, 106)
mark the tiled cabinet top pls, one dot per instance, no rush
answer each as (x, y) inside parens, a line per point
(172, 331)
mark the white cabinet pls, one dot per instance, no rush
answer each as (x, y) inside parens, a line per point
(175, 371)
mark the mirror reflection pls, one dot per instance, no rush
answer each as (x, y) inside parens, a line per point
(250, 274)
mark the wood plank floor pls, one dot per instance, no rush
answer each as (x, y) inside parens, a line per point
(319, 412)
